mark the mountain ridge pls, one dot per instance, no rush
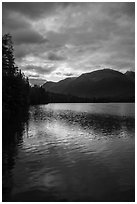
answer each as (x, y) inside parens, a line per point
(97, 84)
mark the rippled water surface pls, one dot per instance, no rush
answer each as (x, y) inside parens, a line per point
(75, 152)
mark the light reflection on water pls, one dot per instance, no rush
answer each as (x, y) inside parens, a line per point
(81, 151)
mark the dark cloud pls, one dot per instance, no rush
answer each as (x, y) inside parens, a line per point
(21, 51)
(129, 8)
(56, 39)
(55, 57)
(68, 74)
(15, 22)
(28, 37)
(58, 73)
(118, 9)
(33, 10)
(21, 28)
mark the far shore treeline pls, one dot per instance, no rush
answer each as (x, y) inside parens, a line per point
(17, 94)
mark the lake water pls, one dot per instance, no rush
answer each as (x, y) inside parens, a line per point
(73, 152)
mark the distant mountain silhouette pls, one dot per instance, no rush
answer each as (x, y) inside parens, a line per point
(105, 83)
(130, 75)
(58, 87)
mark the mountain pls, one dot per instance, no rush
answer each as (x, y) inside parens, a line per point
(130, 75)
(58, 87)
(105, 83)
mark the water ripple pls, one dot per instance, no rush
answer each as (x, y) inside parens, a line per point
(77, 149)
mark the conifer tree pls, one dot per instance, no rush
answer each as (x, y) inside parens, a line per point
(15, 86)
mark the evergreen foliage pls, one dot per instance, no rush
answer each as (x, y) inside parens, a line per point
(15, 86)
(38, 95)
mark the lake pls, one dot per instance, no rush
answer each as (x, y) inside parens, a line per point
(72, 152)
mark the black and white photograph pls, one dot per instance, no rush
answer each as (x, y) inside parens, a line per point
(68, 101)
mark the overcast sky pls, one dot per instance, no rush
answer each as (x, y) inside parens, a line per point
(53, 41)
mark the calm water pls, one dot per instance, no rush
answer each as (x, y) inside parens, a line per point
(72, 152)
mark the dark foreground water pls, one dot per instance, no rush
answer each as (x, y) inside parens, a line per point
(71, 152)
